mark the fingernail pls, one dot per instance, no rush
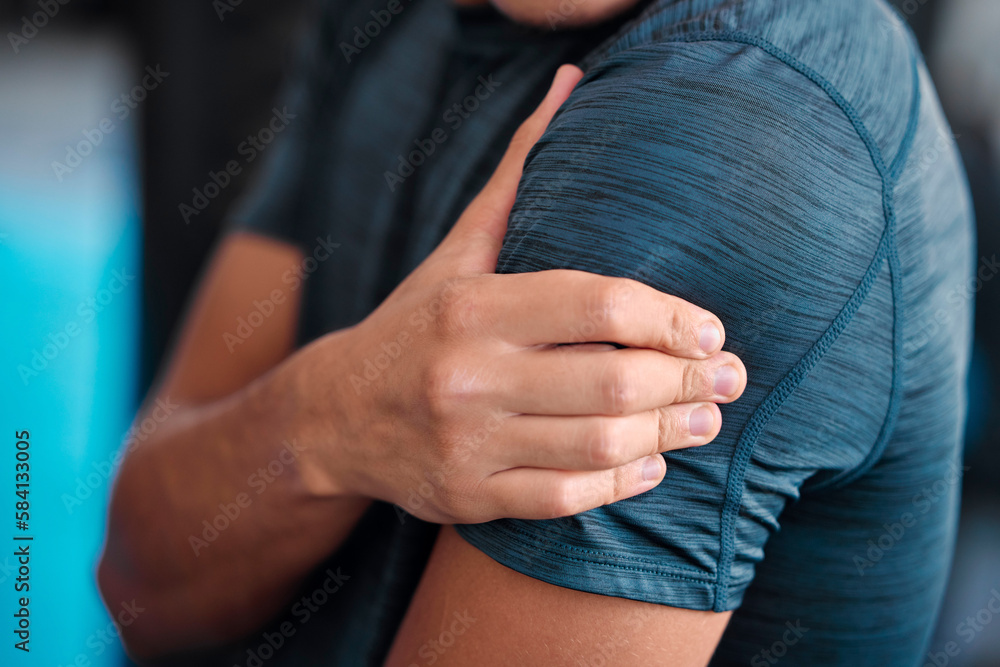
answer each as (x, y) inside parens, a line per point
(651, 468)
(701, 421)
(726, 381)
(709, 338)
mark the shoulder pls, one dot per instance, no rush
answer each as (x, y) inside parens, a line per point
(717, 172)
(708, 140)
(846, 65)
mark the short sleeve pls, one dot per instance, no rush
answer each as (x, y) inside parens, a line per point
(718, 173)
(281, 153)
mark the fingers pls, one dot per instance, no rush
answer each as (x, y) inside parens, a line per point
(600, 443)
(556, 381)
(535, 493)
(502, 187)
(561, 306)
(474, 242)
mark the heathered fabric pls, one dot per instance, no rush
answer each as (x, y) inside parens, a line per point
(782, 163)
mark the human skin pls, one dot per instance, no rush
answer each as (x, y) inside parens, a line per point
(571, 428)
(542, 625)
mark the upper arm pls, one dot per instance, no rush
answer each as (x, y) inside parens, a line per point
(470, 610)
(244, 317)
(242, 321)
(716, 173)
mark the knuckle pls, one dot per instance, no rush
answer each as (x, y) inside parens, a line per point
(462, 496)
(620, 388)
(447, 385)
(672, 427)
(695, 381)
(611, 310)
(618, 487)
(677, 335)
(606, 444)
(602, 306)
(561, 500)
(437, 388)
(600, 488)
(621, 486)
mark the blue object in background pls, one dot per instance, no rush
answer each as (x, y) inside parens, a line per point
(70, 256)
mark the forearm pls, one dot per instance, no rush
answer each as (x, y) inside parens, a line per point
(217, 516)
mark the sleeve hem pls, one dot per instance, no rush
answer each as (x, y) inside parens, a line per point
(622, 579)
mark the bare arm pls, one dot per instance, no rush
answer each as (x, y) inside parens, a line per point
(470, 610)
(234, 418)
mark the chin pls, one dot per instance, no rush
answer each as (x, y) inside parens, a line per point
(562, 14)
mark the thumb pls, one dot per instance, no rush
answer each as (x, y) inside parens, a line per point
(475, 240)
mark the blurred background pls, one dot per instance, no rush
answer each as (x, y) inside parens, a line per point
(114, 113)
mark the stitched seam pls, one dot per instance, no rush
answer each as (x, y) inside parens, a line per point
(658, 573)
(777, 397)
(706, 581)
(606, 554)
(892, 410)
(886, 250)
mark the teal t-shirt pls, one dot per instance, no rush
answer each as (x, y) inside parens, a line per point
(784, 164)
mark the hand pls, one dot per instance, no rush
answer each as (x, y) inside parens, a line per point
(460, 400)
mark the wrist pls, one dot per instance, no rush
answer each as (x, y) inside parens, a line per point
(312, 411)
